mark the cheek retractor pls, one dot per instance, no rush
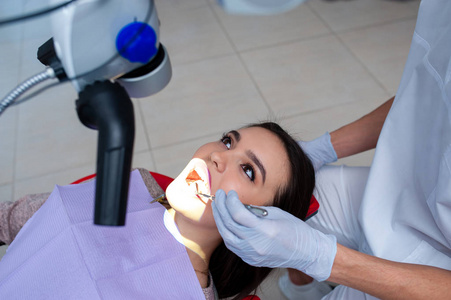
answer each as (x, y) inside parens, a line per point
(192, 178)
(160, 199)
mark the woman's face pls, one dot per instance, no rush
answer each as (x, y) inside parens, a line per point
(251, 161)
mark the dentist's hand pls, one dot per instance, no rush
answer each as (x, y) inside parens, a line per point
(276, 240)
(320, 151)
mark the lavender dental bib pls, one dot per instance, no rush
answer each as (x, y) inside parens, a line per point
(61, 254)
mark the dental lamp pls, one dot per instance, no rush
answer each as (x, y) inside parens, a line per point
(110, 50)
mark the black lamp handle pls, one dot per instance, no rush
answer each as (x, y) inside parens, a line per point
(107, 107)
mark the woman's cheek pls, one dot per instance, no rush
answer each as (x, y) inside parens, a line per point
(238, 188)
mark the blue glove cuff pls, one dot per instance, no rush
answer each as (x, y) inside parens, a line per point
(320, 150)
(322, 267)
(329, 151)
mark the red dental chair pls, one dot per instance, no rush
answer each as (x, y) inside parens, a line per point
(164, 181)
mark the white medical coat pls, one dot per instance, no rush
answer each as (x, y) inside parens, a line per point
(406, 209)
(405, 212)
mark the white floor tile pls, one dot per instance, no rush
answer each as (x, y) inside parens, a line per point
(10, 61)
(370, 46)
(310, 126)
(46, 183)
(50, 136)
(310, 75)
(6, 193)
(249, 32)
(141, 142)
(11, 33)
(7, 145)
(191, 35)
(143, 160)
(345, 15)
(171, 160)
(203, 98)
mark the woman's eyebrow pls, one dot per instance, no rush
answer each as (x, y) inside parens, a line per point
(251, 155)
(236, 135)
(259, 164)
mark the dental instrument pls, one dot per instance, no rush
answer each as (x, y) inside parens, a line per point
(258, 211)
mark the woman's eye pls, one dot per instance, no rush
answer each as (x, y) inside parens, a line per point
(249, 170)
(226, 141)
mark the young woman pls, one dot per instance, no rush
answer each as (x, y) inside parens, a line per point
(265, 166)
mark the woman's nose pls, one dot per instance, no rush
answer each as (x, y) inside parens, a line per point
(219, 159)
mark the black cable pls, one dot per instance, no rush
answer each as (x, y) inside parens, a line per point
(35, 14)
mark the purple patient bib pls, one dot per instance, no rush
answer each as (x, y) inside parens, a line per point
(61, 254)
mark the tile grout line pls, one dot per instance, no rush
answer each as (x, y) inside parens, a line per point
(365, 67)
(336, 35)
(286, 43)
(237, 53)
(17, 121)
(16, 141)
(319, 110)
(403, 19)
(218, 134)
(89, 164)
(149, 144)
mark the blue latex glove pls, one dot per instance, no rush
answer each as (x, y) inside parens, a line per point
(320, 151)
(277, 240)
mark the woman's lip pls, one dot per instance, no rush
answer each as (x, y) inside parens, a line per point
(201, 169)
(209, 180)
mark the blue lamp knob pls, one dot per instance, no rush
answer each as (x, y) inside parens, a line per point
(136, 42)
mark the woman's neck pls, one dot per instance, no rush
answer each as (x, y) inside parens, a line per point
(200, 243)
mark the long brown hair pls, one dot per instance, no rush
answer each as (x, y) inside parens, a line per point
(231, 275)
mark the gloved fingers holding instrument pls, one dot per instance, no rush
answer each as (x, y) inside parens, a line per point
(276, 240)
